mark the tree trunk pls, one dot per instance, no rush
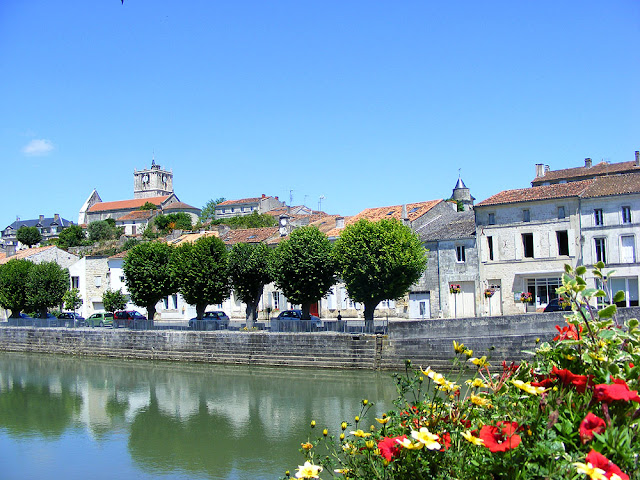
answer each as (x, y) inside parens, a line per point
(369, 308)
(200, 308)
(151, 312)
(15, 314)
(251, 314)
(306, 307)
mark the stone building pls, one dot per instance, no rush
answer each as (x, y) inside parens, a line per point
(246, 206)
(49, 228)
(90, 275)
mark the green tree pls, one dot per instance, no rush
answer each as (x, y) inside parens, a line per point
(147, 275)
(72, 236)
(209, 210)
(253, 220)
(28, 236)
(378, 261)
(250, 269)
(13, 285)
(304, 268)
(47, 283)
(102, 230)
(173, 221)
(72, 299)
(114, 300)
(148, 206)
(200, 271)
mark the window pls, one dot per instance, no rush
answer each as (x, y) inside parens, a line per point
(560, 212)
(597, 215)
(276, 300)
(543, 290)
(75, 282)
(492, 219)
(563, 242)
(527, 244)
(627, 249)
(122, 278)
(490, 247)
(626, 214)
(526, 215)
(601, 253)
(460, 256)
(98, 281)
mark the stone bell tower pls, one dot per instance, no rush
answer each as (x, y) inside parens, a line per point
(152, 182)
(462, 194)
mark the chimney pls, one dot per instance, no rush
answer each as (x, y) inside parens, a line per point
(539, 170)
(637, 158)
(339, 222)
(10, 249)
(263, 195)
(405, 217)
(56, 218)
(41, 219)
(284, 225)
(587, 163)
(546, 169)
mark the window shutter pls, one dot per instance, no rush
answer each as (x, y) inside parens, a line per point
(517, 246)
(537, 245)
(571, 233)
(484, 248)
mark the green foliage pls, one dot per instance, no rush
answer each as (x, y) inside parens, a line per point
(148, 206)
(304, 268)
(101, 230)
(129, 244)
(172, 221)
(253, 220)
(47, 283)
(28, 236)
(378, 261)
(147, 275)
(209, 210)
(250, 269)
(72, 299)
(200, 271)
(13, 285)
(547, 418)
(72, 236)
(114, 300)
(150, 234)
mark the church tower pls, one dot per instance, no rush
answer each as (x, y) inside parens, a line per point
(152, 182)
(462, 194)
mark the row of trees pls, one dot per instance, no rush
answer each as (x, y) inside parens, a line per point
(376, 260)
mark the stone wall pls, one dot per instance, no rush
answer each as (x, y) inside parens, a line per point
(426, 343)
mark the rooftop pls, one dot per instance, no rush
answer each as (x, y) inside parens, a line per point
(127, 204)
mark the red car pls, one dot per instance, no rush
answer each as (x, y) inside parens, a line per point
(129, 319)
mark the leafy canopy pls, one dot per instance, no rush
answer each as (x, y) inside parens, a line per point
(102, 230)
(173, 221)
(304, 268)
(114, 300)
(72, 236)
(250, 269)
(200, 271)
(147, 274)
(148, 206)
(72, 299)
(47, 283)
(209, 210)
(379, 260)
(13, 285)
(253, 220)
(29, 236)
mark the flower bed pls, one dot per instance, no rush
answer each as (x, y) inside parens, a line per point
(570, 411)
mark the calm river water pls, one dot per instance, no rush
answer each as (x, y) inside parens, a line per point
(67, 418)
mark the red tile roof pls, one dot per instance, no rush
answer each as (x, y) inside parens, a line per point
(580, 173)
(242, 200)
(544, 192)
(614, 185)
(24, 254)
(250, 235)
(137, 215)
(180, 206)
(126, 204)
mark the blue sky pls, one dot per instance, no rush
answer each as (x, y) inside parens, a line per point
(368, 103)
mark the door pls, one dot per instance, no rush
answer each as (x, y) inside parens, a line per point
(419, 305)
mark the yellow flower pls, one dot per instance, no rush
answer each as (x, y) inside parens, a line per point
(478, 400)
(383, 420)
(588, 469)
(428, 439)
(480, 362)
(365, 401)
(469, 437)
(360, 433)
(370, 444)
(343, 471)
(527, 387)
(325, 432)
(308, 470)
(313, 423)
(306, 446)
(357, 418)
(342, 436)
(436, 377)
(406, 443)
(372, 428)
(476, 383)
(458, 347)
(343, 425)
(468, 353)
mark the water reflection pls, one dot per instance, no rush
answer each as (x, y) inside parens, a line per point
(177, 420)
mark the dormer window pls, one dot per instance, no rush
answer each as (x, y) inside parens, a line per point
(414, 209)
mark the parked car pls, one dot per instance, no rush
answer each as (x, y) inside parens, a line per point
(291, 320)
(217, 320)
(49, 320)
(129, 319)
(100, 319)
(557, 305)
(69, 318)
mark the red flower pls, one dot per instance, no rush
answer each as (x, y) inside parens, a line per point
(600, 461)
(445, 439)
(590, 425)
(619, 390)
(545, 382)
(581, 382)
(501, 437)
(389, 447)
(568, 333)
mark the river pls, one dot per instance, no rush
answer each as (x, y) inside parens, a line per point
(67, 418)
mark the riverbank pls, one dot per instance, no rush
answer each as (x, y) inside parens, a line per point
(426, 342)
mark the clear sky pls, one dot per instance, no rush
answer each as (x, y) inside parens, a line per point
(368, 103)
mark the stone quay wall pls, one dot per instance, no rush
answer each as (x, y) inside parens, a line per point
(426, 343)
